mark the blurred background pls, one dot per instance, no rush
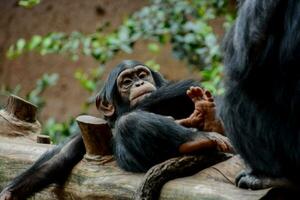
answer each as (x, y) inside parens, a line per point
(57, 53)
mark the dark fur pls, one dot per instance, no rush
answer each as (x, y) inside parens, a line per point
(54, 166)
(141, 140)
(261, 109)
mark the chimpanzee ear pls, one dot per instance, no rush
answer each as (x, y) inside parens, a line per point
(158, 79)
(106, 107)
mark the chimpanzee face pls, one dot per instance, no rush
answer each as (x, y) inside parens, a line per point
(134, 84)
(127, 84)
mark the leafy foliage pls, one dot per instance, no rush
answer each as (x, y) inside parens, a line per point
(183, 23)
(35, 95)
(89, 80)
(58, 131)
(29, 3)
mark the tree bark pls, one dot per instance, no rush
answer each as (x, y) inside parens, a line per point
(19, 119)
(94, 181)
(96, 136)
(43, 139)
(21, 109)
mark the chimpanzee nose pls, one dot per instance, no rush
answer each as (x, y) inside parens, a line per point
(139, 83)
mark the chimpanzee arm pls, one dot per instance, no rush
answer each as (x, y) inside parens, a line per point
(53, 166)
(245, 44)
(170, 100)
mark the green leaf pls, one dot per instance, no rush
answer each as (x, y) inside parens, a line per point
(11, 53)
(28, 3)
(34, 42)
(153, 47)
(153, 65)
(47, 42)
(20, 45)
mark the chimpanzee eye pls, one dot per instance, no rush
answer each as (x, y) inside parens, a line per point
(127, 82)
(142, 75)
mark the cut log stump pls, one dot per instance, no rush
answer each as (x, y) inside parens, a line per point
(21, 109)
(18, 118)
(43, 139)
(96, 136)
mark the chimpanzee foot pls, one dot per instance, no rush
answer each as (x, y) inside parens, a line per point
(203, 103)
(204, 116)
(248, 180)
(198, 95)
(207, 141)
(222, 143)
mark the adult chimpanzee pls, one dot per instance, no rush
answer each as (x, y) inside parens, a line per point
(149, 116)
(261, 108)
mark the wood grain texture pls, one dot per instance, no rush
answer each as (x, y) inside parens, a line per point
(18, 119)
(96, 136)
(90, 180)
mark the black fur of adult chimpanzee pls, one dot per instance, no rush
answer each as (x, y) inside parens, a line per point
(261, 108)
(143, 108)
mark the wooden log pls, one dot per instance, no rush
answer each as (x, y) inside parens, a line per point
(21, 109)
(19, 119)
(90, 181)
(43, 139)
(96, 136)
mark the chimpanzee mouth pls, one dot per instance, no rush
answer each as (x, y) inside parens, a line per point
(141, 96)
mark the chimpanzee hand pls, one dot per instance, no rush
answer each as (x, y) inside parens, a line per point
(204, 115)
